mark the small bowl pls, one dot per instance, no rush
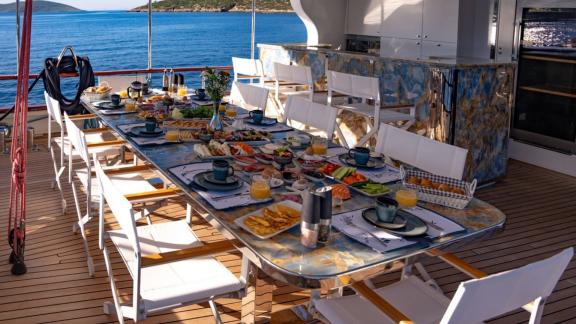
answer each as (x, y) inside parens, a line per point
(289, 177)
(283, 160)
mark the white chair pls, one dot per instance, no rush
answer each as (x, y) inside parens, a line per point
(63, 143)
(120, 82)
(248, 69)
(319, 117)
(167, 283)
(248, 96)
(421, 152)
(288, 79)
(475, 301)
(365, 88)
(126, 178)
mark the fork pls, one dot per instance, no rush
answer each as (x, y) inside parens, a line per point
(348, 221)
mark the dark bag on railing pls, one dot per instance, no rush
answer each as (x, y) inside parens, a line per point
(68, 64)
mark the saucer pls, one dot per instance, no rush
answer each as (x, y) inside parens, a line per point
(140, 131)
(371, 216)
(230, 180)
(414, 225)
(203, 184)
(108, 105)
(265, 121)
(373, 163)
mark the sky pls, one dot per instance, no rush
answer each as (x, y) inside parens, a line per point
(98, 4)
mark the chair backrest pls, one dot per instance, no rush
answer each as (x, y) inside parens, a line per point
(120, 206)
(293, 73)
(120, 82)
(248, 96)
(77, 140)
(53, 108)
(246, 67)
(318, 116)
(479, 300)
(353, 85)
(421, 152)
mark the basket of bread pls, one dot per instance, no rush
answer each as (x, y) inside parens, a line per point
(100, 92)
(437, 189)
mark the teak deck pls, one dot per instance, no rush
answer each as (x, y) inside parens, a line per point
(540, 206)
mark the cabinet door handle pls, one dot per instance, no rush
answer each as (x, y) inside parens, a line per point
(438, 45)
(418, 36)
(425, 36)
(417, 43)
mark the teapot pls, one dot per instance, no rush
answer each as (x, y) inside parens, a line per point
(135, 90)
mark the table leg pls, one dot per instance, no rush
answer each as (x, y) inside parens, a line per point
(257, 305)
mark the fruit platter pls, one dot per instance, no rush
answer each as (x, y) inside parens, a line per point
(215, 149)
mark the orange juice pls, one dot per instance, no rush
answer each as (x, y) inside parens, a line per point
(182, 91)
(130, 105)
(319, 149)
(172, 135)
(231, 112)
(260, 189)
(222, 109)
(406, 198)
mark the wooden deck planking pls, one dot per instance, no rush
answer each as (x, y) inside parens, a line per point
(539, 205)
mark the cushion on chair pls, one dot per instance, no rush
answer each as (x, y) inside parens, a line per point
(179, 282)
(415, 299)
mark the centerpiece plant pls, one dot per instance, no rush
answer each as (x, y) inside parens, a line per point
(216, 83)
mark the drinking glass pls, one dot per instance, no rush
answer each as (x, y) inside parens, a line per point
(260, 187)
(182, 91)
(129, 105)
(231, 111)
(406, 198)
(319, 145)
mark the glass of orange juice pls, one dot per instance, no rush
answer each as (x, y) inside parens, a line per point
(182, 91)
(319, 145)
(173, 135)
(406, 198)
(129, 105)
(231, 111)
(260, 187)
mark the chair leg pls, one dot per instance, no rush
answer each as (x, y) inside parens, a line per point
(188, 213)
(536, 313)
(115, 296)
(215, 311)
(80, 225)
(56, 182)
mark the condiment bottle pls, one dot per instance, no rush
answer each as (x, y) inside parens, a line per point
(325, 218)
(310, 220)
(165, 81)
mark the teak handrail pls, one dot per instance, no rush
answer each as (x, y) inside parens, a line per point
(206, 249)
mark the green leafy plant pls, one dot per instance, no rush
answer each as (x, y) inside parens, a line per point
(215, 82)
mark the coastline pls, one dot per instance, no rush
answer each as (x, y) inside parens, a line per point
(176, 10)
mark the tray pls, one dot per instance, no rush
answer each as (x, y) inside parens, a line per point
(287, 203)
(440, 197)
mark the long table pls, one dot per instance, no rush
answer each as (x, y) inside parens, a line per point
(340, 263)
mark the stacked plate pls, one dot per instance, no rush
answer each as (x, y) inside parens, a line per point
(373, 163)
(207, 181)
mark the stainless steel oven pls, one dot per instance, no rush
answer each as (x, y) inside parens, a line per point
(545, 48)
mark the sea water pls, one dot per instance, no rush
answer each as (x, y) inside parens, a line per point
(118, 40)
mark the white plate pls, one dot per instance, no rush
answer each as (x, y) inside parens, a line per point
(269, 148)
(288, 203)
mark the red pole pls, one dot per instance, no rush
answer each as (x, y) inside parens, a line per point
(17, 209)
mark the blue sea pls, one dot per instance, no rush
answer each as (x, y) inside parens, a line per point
(118, 40)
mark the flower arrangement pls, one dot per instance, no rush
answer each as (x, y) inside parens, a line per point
(215, 83)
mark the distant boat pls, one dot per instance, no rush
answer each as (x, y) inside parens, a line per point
(39, 6)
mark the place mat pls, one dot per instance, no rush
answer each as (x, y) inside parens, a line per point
(116, 112)
(160, 140)
(386, 242)
(438, 226)
(218, 200)
(276, 128)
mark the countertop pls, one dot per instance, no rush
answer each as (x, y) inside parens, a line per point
(458, 62)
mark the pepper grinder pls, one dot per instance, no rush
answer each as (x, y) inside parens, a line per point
(165, 81)
(325, 218)
(310, 220)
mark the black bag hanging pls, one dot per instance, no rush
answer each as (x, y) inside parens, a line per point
(53, 67)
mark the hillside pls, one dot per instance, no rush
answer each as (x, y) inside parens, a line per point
(219, 5)
(39, 6)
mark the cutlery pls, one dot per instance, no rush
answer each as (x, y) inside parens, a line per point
(348, 221)
(239, 194)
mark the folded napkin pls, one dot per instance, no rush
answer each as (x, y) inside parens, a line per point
(360, 228)
(218, 200)
(438, 225)
(158, 140)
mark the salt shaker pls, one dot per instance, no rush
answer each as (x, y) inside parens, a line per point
(310, 220)
(325, 218)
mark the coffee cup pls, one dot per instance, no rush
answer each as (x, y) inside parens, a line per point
(386, 209)
(257, 116)
(200, 93)
(115, 99)
(150, 124)
(361, 155)
(222, 170)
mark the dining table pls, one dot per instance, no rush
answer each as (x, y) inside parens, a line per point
(328, 268)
